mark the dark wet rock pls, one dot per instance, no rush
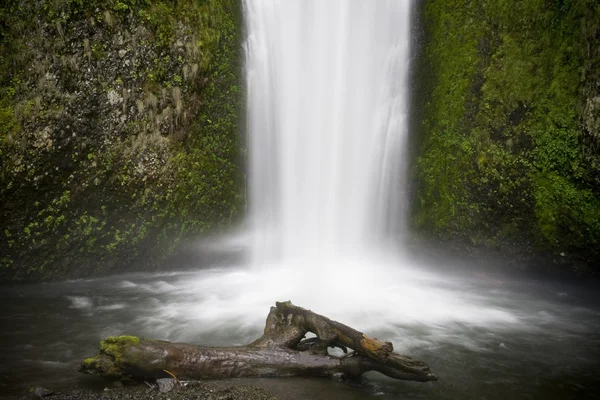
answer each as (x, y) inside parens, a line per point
(42, 392)
(339, 376)
(166, 385)
(96, 109)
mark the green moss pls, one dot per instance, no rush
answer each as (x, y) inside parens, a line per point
(502, 144)
(113, 345)
(97, 199)
(108, 363)
(89, 361)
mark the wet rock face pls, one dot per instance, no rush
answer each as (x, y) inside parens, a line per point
(509, 129)
(109, 110)
(99, 81)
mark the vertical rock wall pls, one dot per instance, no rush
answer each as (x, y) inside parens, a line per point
(119, 131)
(509, 130)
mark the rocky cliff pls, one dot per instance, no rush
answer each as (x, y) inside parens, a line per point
(509, 96)
(119, 130)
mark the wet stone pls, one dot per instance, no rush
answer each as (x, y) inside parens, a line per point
(42, 392)
(165, 385)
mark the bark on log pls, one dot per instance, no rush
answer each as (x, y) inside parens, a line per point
(282, 351)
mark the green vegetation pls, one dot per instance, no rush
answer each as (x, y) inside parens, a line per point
(113, 344)
(506, 156)
(108, 362)
(118, 131)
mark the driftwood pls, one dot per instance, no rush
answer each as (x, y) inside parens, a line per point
(282, 351)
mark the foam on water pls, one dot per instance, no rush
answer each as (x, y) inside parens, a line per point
(385, 300)
(80, 302)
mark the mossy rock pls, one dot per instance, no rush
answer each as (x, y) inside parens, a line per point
(119, 132)
(502, 143)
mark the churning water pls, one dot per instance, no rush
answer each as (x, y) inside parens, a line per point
(486, 335)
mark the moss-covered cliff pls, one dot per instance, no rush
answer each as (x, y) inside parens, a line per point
(118, 130)
(511, 125)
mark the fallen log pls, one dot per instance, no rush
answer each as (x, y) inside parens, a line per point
(282, 351)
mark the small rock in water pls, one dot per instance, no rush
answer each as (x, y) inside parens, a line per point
(42, 392)
(165, 385)
(338, 376)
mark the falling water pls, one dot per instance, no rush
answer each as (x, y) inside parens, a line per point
(327, 129)
(327, 111)
(327, 83)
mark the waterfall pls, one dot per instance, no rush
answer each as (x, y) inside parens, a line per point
(327, 128)
(327, 125)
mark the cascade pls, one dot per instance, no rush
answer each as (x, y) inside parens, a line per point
(327, 129)
(327, 111)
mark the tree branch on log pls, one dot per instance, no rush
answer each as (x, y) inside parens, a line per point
(282, 351)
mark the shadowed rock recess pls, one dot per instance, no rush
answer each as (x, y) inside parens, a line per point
(119, 131)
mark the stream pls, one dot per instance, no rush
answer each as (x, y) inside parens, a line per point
(485, 334)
